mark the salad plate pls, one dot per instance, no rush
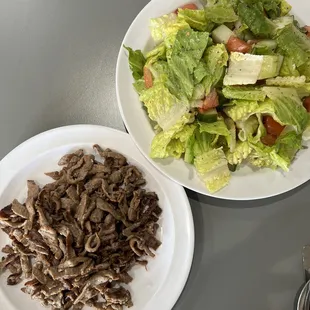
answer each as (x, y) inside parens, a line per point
(252, 87)
(161, 282)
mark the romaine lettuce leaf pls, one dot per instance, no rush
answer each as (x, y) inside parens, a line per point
(305, 70)
(163, 107)
(163, 144)
(216, 58)
(306, 133)
(285, 107)
(175, 149)
(166, 27)
(139, 86)
(271, 66)
(244, 93)
(198, 94)
(136, 62)
(242, 151)
(232, 138)
(196, 19)
(287, 81)
(213, 170)
(247, 128)
(261, 130)
(186, 54)
(200, 72)
(264, 156)
(289, 68)
(158, 53)
(243, 69)
(253, 16)
(285, 7)
(241, 109)
(294, 44)
(203, 142)
(217, 128)
(288, 144)
(160, 70)
(220, 14)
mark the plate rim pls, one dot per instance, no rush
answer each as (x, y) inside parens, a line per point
(216, 195)
(188, 216)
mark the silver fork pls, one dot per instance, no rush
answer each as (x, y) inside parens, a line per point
(304, 298)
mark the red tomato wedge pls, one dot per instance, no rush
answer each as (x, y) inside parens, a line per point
(189, 6)
(269, 140)
(307, 104)
(235, 44)
(308, 30)
(273, 128)
(148, 78)
(210, 102)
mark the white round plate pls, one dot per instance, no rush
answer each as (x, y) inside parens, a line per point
(245, 184)
(161, 284)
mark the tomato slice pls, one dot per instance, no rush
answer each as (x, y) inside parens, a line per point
(189, 6)
(273, 128)
(235, 44)
(307, 104)
(148, 78)
(210, 102)
(269, 140)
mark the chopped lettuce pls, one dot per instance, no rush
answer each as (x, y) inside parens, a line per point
(136, 62)
(213, 170)
(306, 133)
(288, 81)
(241, 152)
(158, 53)
(232, 138)
(196, 19)
(294, 44)
(288, 144)
(198, 93)
(187, 52)
(244, 93)
(264, 156)
(243, 69)
(288, 67)
(271, 66)
(285, 107)
(247, 128)
(200, 72)
(220, 14)
(305, 70)
(166, 27)
(217, 128)
(163, 107)
(139, 86)
(216, 58)
(167, 143)
(241, 109)
(253, 16)
(204, 142)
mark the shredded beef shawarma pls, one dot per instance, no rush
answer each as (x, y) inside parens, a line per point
(75, 240)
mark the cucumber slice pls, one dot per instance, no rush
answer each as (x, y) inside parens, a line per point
(209, 116)
(221, 34)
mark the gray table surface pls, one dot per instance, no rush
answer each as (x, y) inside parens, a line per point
(57, 67)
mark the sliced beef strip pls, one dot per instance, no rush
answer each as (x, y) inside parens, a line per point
(78, 236)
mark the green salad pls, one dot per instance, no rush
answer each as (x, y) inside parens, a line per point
(226, 84)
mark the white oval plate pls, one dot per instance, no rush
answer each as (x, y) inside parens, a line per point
(245, 184)
(157, 288)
